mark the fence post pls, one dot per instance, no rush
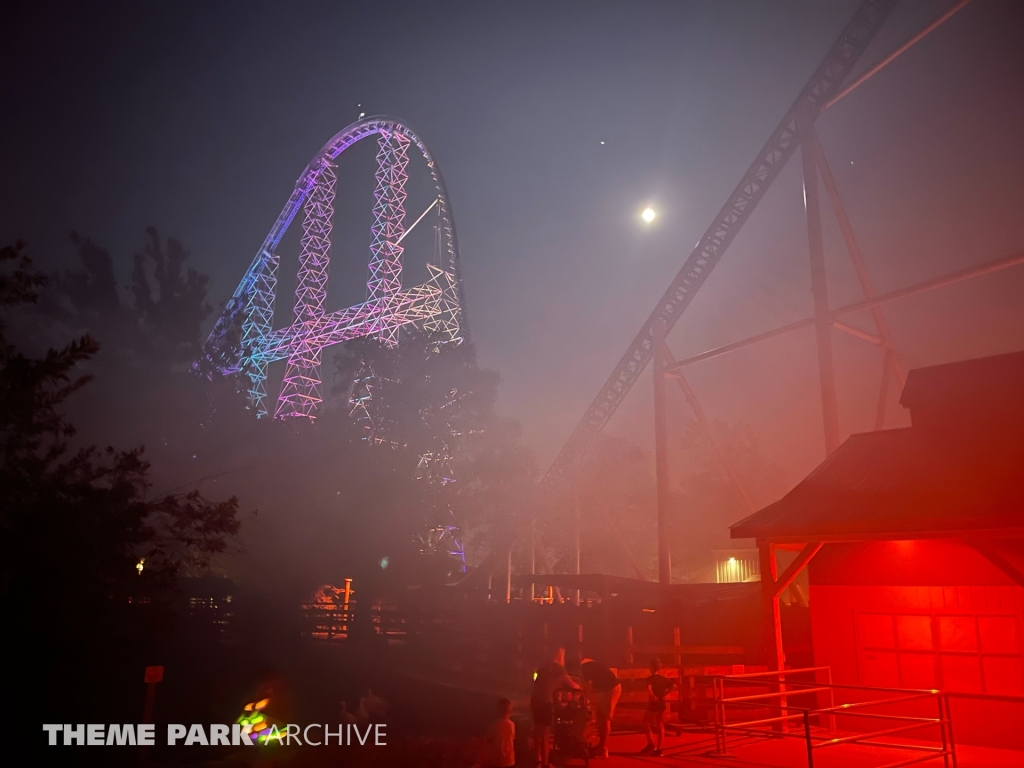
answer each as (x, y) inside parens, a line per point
(949, 727)
(831, 701)
(807, 736)
(717, 687)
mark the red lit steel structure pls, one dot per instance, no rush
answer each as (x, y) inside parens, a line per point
(917, 540)
(824, 90)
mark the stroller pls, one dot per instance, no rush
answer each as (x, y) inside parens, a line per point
(569, 728)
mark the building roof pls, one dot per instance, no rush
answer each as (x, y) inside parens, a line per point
(901, 483)
(958, 470)
(997, 379)
(967, 394)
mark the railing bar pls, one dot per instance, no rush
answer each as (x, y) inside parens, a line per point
(840, 707)
(765, 720)
(911, 761)
(783, 673)
(886, 717)
(917, 747)
(860, 737)
(767, 734)
(987, 697)
(930, 691)
(770, 695)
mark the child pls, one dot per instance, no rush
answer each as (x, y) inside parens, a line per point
(658, 687)
(501, 752)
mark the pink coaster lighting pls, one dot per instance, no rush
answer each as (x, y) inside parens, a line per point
(244, 340)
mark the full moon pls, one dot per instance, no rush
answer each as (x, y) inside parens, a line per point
(648, 215)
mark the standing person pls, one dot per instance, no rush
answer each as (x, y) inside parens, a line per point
(604, 689)
(548, 679)
(501, 738)
(658, 687)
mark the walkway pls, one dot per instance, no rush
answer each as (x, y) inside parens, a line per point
(690, 749)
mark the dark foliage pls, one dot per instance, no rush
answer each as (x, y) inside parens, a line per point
(76, 522)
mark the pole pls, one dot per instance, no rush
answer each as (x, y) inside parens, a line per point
(774, 656)
(661, 456)
(819, 290)
(152, 676)
(533, 557)
(883, 393)
(508, 576)
(576, 532)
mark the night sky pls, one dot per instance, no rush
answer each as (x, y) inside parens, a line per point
(198, 117)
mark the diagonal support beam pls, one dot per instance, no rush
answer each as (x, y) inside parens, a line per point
(826, 81)
(1000, 562)
(853, 248)
(790, 574)
(896, 54)
(705, 422)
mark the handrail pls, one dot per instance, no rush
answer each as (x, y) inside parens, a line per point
(782, 688)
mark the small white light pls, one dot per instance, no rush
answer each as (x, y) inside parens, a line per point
(648, 215)
(732, 559)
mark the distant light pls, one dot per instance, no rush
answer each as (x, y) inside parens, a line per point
(648, 215)
(384, 561)
(140, 565)
(648, 610)
(732, 559)
(362, 115)
(602, 143)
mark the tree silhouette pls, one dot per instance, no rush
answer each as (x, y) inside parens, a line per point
(89, 556)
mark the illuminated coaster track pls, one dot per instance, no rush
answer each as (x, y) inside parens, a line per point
(244, 339)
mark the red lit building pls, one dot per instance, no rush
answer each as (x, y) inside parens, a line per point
(914, 544)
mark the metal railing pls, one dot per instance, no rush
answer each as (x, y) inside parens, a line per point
(789, 704)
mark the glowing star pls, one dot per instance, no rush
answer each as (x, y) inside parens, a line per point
(648, 215)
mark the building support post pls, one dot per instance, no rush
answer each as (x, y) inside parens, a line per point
(819, 289)
(661, 456)
(775, 658)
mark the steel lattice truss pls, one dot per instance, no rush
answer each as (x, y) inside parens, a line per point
(436, 305)
(826, 81)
